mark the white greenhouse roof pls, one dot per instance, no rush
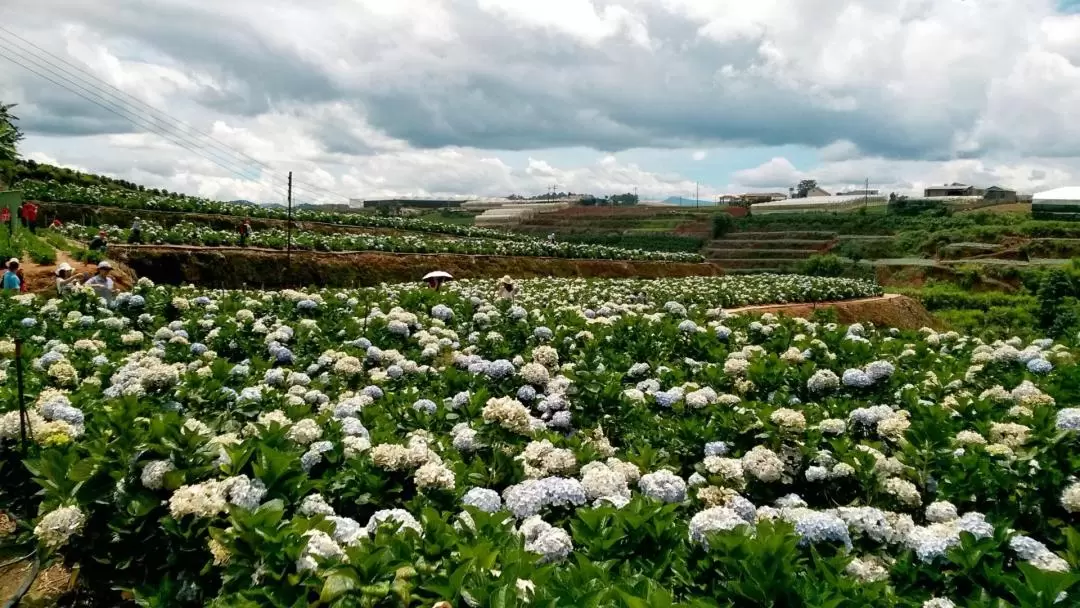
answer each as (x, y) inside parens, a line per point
(1067, 194)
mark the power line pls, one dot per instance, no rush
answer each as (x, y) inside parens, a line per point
(135, 100)
(122, 113)
(92, 85)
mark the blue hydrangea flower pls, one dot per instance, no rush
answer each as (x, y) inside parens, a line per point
(484, 499)
(543, 334)
(425, 405)
(1068, 419)
(526, 394)
(373, 391)
(856, 378)
(198, 349)
(28, 322)
(716, 448)
(499, 369)
(1040, 366)
(307, 305)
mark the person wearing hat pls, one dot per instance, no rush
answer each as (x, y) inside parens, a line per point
(11, 280)
(66, 280)
(136, 232)
(102, 283)
(506, 290)
(245, 232)
(99, 242)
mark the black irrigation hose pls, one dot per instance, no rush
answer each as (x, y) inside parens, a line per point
(15, 599)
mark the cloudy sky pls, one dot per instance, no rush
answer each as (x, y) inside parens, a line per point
(367, 98)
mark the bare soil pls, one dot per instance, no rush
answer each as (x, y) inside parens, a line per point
(41, 278)
(235, 267)
(889, 310)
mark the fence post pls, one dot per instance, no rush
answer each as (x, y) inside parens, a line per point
(24, 417)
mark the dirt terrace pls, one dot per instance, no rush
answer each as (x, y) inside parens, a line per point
(234, 267)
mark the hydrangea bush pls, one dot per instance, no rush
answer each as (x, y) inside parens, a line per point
(186, 233)
(607, 443)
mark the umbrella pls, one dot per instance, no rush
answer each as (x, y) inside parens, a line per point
(438, 274)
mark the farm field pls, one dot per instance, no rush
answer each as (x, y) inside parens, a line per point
(185, 233)
(607, 443)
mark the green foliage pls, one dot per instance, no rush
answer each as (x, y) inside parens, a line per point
(804, 188)
(830, 265)
(10, 135)
(1059, 300)
(722, 223)
(648, 242)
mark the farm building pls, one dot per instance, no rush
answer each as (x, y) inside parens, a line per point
(816, 192)
(997, 193)
(953, 189)
(1057, 204)
(818, 204)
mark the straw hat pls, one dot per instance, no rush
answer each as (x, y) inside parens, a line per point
(63, 267)
(104, 265)
(506, 280)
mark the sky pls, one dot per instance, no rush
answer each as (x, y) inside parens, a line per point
(377, 98)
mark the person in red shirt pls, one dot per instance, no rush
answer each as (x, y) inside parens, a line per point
(29, 214)
(245, 232)
(57, 224)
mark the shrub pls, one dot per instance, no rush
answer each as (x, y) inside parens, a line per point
(722, 224)
(830, 265)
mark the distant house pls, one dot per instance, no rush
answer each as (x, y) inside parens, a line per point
(997, 193)
(817, 191)
(859, 192)
(953, 189)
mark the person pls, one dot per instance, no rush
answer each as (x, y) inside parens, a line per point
(99, 242)
(56, 224)
(29, 212)
(136, 232)
(102, 283)
(5, 218)
(507, 290)
(551, 237)
(13, 263)
(245, 232)
(11, 281)
(66, 280)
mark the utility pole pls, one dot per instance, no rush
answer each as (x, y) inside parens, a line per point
(288, 239)
(697, 195)
(866, 194)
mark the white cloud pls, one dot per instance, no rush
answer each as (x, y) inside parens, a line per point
(367, 97)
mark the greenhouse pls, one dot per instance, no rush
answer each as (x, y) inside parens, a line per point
(1057, 204)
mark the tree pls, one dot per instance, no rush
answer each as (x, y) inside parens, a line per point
(804, 187)
(9, 138)
(624, 199)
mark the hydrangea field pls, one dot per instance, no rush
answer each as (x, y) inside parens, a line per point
(176, 203)
(186, 233)
(594, 443)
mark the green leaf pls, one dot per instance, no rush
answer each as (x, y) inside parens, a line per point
(337, 585)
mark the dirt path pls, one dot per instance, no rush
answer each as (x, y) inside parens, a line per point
(889, 310)
(41, 278)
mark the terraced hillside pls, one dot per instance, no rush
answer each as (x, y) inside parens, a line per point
(747, 252)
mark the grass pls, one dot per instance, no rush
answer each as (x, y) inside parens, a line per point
(24, 243)
(445, 216)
